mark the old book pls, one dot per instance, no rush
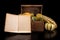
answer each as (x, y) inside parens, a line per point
(17, 23)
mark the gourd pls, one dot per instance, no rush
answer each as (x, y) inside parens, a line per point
(50, 24)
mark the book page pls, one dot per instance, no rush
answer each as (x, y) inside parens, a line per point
(11, 23)
(24, 24)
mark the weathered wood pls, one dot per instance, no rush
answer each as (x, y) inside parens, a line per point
(37, 26)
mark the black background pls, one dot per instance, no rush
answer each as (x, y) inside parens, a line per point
(50, 8)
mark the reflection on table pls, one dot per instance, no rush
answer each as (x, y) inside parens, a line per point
(46, 35)
(50, 35)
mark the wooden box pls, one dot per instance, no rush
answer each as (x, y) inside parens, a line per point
(37, 26)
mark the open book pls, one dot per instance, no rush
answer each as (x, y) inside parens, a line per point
(17, 23)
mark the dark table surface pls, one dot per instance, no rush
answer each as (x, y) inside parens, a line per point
(46, 35)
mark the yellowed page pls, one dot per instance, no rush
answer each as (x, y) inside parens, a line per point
(24, 24)
(11, 23)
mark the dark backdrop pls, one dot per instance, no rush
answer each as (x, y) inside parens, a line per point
(50, 8)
